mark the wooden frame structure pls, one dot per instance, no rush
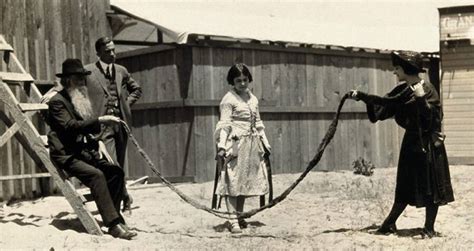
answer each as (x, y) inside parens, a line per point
(17, 117)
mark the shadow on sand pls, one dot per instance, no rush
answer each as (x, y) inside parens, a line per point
(226, 226)
(21, 219)
(409, 232)
(58, 221)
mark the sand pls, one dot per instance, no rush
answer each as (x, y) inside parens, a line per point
(328, 211)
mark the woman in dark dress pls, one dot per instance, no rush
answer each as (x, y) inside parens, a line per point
(423, 178)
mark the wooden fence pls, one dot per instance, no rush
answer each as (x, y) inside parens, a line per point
(298, 89)
(43, 34)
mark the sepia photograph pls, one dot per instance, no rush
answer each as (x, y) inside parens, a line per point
(236, 125)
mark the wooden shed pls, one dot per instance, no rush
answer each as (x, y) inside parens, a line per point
(457, 80)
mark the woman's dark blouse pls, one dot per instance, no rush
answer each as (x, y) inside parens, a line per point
(423, 170)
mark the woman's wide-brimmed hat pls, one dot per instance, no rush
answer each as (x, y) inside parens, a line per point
(408, 59)
(72, 66)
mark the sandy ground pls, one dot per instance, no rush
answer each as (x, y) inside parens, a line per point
(328, 211)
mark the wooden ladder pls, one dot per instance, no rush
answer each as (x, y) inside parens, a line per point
(17, 117)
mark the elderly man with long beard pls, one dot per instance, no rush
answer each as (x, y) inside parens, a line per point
(73, 149)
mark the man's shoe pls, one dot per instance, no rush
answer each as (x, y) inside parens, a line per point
(387, 229)
(118, 231)
(127, 203)
(125, 226)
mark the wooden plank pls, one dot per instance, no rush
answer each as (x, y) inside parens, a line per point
(16, 77)
(24, 176)
(458, 74)
(468, 54)
(32, 107)
(167, 134)
(9, 164)
(22, 156)
(456, 95)
(154, 180)
(76, 30)
(460, 114)
(453, 140)
(9, 133)
(457, 108)
(88, 51)
(456, 121)
(3, 157)
(327, 51)
(4, 46)
(44, 139)
(460, 101)
(462, 134)
(458, 128)
(455, 160)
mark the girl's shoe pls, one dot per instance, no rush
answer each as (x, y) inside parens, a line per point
(235, 228)
(243, 223)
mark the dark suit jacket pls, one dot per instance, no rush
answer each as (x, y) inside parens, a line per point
(69, 135)
(127, 88)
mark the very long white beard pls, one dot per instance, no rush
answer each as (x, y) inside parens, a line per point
(80, 101)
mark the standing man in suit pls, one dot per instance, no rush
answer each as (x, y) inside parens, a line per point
(112, 91)
(76, 151)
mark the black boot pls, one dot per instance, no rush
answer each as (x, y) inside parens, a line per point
(429, 233)
(387, 229)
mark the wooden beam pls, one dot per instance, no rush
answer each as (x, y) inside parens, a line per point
(148, 50)
(45, 82)
(158, 105)
(308, 109)
(201, 103)
(456, 160)
(44, 138)
(265, 106)
(4, 46)
(32, 107)
(25, 176)
(329, 50)
(9, 133)
(16, 77)
(138, 181)
(188, 103)
(175, 179)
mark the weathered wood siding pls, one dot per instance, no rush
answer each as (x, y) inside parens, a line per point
(457, 80)
(299, 91)
(44, 33)
(458, 101)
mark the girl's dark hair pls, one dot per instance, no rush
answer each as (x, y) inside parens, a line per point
(237, 70)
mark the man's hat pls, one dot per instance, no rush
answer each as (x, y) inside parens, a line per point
(408, 59)
(72, 66)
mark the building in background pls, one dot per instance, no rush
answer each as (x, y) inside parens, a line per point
(457, 81)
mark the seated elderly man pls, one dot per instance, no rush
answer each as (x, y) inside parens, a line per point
(73, 149)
